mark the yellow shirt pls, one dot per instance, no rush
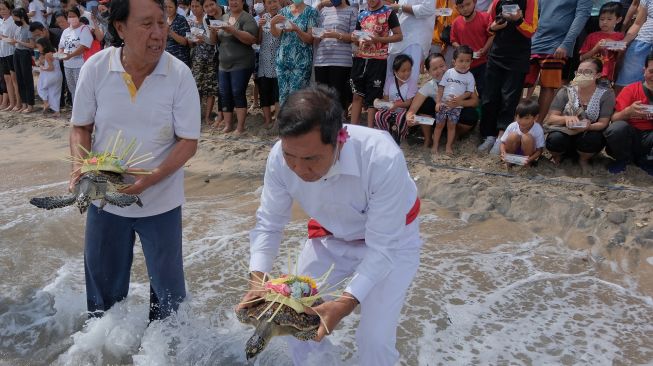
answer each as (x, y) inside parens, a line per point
(441, 22)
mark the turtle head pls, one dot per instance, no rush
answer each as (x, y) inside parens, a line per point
(84, 189)
(259, 340)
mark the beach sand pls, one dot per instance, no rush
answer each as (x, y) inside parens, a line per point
(609, 216)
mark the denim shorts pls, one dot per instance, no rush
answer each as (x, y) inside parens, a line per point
(632, 69)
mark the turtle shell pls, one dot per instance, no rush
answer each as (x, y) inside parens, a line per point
(286, 317)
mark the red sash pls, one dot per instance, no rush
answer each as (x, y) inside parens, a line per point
(315, 230)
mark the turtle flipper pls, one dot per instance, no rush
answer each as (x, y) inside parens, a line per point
(50, 203)
(306, 335)
(122, 200)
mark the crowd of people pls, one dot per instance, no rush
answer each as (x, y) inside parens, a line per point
(588, 57)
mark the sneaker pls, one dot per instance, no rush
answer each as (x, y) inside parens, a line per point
(487, 144)
(496, 148)
(617, 167)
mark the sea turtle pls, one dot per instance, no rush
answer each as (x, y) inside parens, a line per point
(92, 185)
(287, 321)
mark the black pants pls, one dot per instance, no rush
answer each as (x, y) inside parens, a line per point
(590, 142)
(65, 94)
(628, 144)
(336, 77)
(503, 89)
(23, 67)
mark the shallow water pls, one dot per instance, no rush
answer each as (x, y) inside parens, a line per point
(486, 293)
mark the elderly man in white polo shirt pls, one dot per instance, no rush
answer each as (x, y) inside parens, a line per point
(151, 96)
(354, 183)
(417, 18)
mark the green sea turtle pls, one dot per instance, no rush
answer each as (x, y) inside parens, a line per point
(286, 322)
(92, 185)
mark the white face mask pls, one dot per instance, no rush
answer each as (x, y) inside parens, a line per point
(583, 80)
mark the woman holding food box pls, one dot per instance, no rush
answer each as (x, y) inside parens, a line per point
(578, 115)
(177, 44)
(294, 25)
(237, 32)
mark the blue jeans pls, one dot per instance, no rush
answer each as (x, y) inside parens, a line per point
(108, 255)
(633, 65)
(233, 88)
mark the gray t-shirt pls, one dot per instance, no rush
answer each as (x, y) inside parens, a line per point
(235, 55)
(22, 34)
(606, 102)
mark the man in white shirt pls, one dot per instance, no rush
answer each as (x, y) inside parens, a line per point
(148, 95)
(354, 183)
(417, 18)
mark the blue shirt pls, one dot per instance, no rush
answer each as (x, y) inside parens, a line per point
(560, 23)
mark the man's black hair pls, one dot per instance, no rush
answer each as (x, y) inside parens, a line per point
(315, 107)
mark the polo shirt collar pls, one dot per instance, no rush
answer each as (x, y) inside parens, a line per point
(162, 67)
(348, 160)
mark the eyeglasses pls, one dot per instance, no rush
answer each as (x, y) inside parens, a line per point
(585, 72)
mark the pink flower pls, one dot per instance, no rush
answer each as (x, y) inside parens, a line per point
(343, 135)
(282, 288)
(92, 160)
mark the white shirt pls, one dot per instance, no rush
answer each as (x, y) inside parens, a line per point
(456, 83)
(37, 7)
(368, 198)
(417, 28)
(71, 39)
(7, 29)
(167, 105)
(390, 89)
(536, 131)
(430, 89)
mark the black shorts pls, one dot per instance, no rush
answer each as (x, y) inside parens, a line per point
(468, 115)
(268, 90)
(368, 78)
(590, 142)
(7, 64)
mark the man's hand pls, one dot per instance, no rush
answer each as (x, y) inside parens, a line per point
(637, 111)
(332, 312)
(74, 177)
(143, 181)
(256, 291)
(560, 53)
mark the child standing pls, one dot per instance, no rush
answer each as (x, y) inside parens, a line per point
(594, 45)
(370, 60)
(524, 136)
(267, 73)
(50, 77)
(456, 84)
(471, 28)
(401, 94)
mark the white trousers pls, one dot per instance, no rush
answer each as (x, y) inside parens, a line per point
(415, 52)
(379, 311)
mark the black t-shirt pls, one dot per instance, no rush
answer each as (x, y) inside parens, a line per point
(511, 50)
(55, 36)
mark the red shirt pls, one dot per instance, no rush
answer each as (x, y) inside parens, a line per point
(473, 34)
(629, 95)
(609, 58)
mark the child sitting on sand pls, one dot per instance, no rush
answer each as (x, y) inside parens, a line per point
(523, 137)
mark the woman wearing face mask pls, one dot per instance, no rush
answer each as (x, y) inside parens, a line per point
(579, 114)
(177, 44)
(333, 54)
(23, 59)
(7, 49)
(75, 39)
(295, 55)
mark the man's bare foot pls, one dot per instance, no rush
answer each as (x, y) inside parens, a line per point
(29, 109)
(435, 151)
(449, 151)
(17, 109)
(240, 133)
(228, 128)
(9, 108)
